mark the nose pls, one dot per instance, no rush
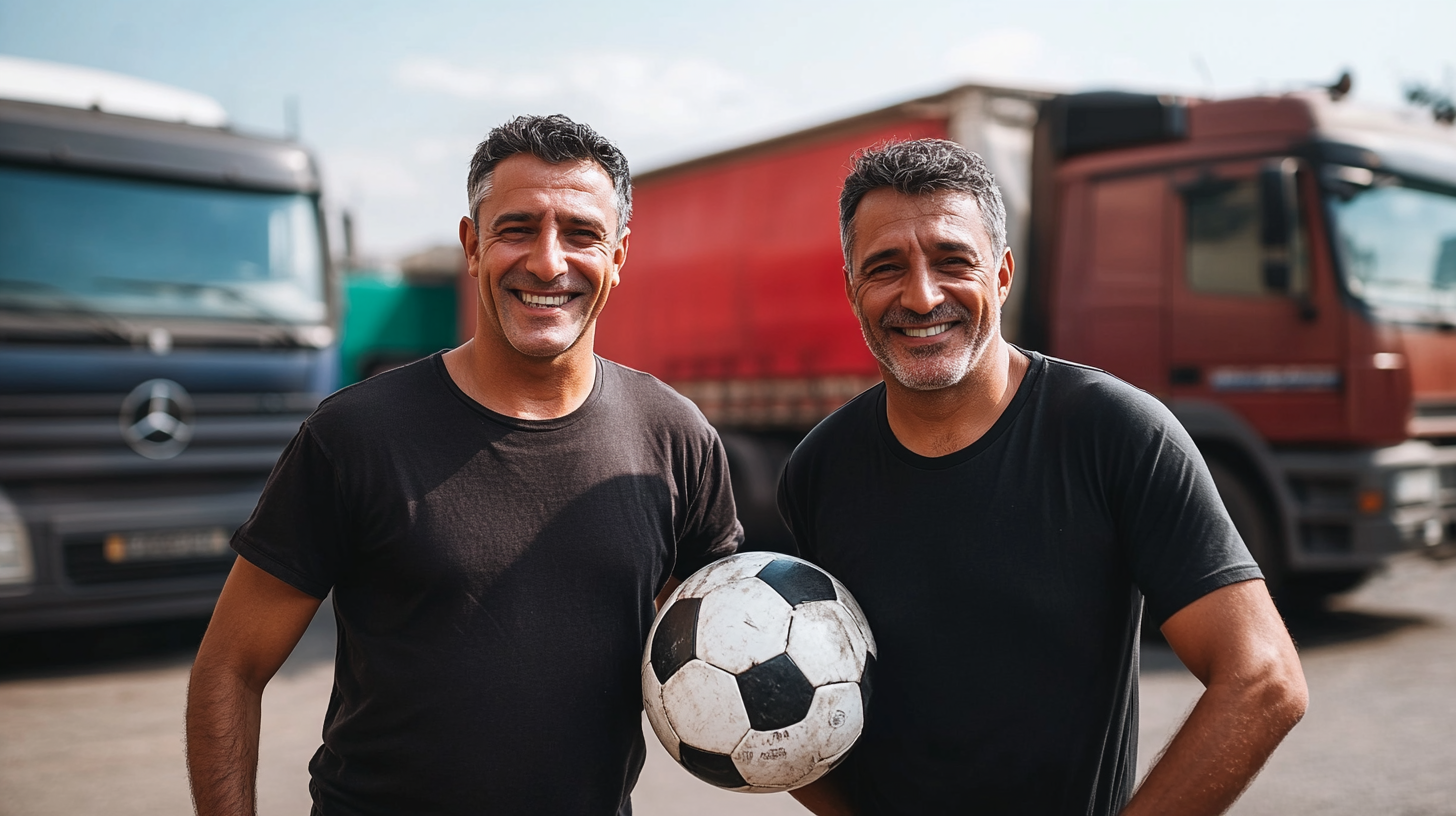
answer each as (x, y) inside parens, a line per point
(921, 293)
(546, 261)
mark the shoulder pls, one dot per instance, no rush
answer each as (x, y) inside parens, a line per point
(1089, 415)
(842, 432)
(1094, 399)
(650, 400)
(384, 400)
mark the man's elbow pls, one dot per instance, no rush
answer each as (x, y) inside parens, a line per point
(1281, 693)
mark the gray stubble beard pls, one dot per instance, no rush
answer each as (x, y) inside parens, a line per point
(951, 365)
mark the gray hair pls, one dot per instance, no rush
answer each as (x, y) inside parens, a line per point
(918, 168)
(554, 139)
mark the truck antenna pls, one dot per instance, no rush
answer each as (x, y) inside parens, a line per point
(1201, 65)
(350, 261)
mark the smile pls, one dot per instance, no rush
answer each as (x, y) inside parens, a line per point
(544, 300)
(926, 331)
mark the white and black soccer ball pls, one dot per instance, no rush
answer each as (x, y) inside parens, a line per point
(757, 673)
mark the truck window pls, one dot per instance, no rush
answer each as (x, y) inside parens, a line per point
(1224, 253)
(1397, 244)
(136, 247)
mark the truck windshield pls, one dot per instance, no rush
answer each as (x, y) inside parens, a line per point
(72, 243)
(1397, 243)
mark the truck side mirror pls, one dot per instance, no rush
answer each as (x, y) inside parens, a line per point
(1279, 211)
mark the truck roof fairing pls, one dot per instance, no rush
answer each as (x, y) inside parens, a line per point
(67, 138)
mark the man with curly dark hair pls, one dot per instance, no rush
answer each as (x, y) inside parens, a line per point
(1004, 518)
(493, 523)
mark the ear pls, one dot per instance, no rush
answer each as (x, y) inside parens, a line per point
(848, 288)
(470, 242)
(1005, 275)
(619, 257)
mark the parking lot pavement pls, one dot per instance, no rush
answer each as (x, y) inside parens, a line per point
(1380, 733)
(92, 722)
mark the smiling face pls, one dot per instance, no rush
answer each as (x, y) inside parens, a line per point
(926, 285)
(545, 255)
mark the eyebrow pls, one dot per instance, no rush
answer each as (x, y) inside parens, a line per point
(942, 246)
(580, 221)
(957, 246)
(523, 216)
(882, 255)
(508, 217)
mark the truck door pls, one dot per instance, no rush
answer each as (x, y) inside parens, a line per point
(1110, 296)
(1251, 325)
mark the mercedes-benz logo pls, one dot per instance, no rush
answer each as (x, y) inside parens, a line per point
(156, 419)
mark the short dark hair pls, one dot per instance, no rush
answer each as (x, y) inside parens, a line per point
(917, 168)
(554, 139)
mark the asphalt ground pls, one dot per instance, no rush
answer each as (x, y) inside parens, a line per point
(91, 721)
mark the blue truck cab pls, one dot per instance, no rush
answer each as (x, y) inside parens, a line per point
(167, 319)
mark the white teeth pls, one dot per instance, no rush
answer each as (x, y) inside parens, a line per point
(927, 331)
(544, 300)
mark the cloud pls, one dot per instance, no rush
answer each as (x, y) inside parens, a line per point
(1003, 53)
(354, 174)
(480, 84)
(635, 92)
(435, 150)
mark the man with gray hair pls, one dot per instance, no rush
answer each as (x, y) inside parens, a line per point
(1003, 517)
(493, 523)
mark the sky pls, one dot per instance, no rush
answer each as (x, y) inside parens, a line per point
(393, 97)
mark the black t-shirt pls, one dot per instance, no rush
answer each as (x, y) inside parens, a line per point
(1004, 585)
(493, 581)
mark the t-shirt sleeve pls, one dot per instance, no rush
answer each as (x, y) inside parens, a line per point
(296, 532)
(712, 530)
(1181, 543)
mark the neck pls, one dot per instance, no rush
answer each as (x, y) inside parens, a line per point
(508, 382)
(943, 421)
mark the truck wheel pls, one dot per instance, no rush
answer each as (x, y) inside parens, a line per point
(1252, 521)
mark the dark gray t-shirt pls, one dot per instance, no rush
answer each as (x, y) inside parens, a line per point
(1004, 584)
(493, 581)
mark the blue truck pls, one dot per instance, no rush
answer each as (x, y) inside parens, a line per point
(168, 317)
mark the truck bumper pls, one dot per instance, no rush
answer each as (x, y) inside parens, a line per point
(1356, 508)
(57, 608)
(84, 575)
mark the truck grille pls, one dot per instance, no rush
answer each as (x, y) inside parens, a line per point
(48, 436)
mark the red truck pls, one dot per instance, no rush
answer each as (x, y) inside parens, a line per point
(1279, 270)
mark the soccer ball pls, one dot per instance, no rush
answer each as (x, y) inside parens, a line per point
(757, 673)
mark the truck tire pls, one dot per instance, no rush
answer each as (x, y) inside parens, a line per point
(1253, 522)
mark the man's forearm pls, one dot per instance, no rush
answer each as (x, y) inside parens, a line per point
(223, 717)
(1220, 748)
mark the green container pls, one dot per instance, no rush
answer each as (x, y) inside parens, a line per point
(391, 321)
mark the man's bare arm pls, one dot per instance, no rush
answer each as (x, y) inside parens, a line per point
(257, 622)
(1234, 641)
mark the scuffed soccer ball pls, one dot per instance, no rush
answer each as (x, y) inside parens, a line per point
(757, 673)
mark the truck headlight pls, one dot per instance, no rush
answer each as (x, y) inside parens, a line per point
(16, 564)
(1413, 486)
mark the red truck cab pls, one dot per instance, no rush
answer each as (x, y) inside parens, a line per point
(1279, 270)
